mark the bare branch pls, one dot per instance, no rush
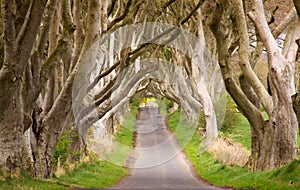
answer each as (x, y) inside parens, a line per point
(283, 25)
(135, 54)
(297, 6)
(120, 18)
(27, 42)
(45, 27)
(192, 12)
(78, 34)
(258, 18)
(111, 7)
(245, 105)
(62, 105)
(97, 114)
(93, 23)
(67, 19)
(25, 46)
(128, 84)
(9, 32)
(257, 53)
(100, 98)
(240, 21)
(52, 61)
(103, 74)
(289, 38)
(168, 3)
(276, 32)
(25, 23)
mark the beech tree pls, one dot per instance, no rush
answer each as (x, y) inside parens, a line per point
(46, 45)
(274, 140)
(44, 48)
(18, 44)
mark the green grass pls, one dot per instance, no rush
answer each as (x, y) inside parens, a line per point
(25, 183)
(95, 174)
(124, 140)
(240, 133)
(220, 175)
(235, 126)
(103, 174)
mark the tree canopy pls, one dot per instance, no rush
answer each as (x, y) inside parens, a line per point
(68, 64)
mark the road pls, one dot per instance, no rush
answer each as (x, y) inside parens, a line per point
(157, 161)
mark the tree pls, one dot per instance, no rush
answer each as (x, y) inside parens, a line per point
(27, 107)
(274, 141)
(18, 45)
(44, 47)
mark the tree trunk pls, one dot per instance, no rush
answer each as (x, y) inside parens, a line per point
(272, 148)
(202, 87)
(273, 141)
(17, 51)
(11, 142)
(279, 143)
(53, 122)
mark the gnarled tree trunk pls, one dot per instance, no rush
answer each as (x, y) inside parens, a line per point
(53, 122)
(17, 50)
(274, 140)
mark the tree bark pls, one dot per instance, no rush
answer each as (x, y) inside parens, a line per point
(297, 5)
(53, 122)
(17, 51)
(280, 136)
(273, 141)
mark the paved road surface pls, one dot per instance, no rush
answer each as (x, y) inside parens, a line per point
(157, 161)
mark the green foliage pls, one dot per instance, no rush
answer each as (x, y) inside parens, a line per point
(63, 150)
(169, 104)
(149, 101)
(232, 116)
(238, 177)
(201, 121)
(241, 133)
(125, 134)
(164, 105)
(135, 102)
(235, 126)
(125, 138)
(178, 122)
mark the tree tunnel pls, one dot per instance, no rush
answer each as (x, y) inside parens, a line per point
(118, 66)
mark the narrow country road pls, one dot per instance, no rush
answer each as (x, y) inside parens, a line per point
(157, 161)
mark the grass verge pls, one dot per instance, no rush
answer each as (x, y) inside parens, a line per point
(218, 174)
(103, 174)
(25, 182)
(93, 174)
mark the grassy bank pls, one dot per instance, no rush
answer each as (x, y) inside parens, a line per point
(102, 174)
(216, 173)
(27, 183)
(92, 173)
